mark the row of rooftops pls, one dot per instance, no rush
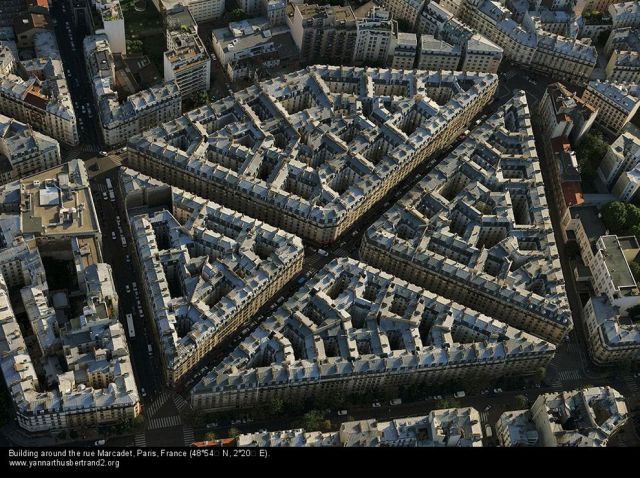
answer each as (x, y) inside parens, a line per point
(19, 141)
(318, 334)
(112, 112)
(500, 16)
(498, 157)
(93, 342)
(239, 117)
(586, 417)
(236, 263)
(453, 427)
(188, 49)
(624, 96)
(44, 85)
(612, 330)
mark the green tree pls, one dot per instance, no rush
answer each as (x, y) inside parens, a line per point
(234, 432)
(541, 373)
(210, 436)
(237, 15)
(614, 216)
(276, 406)
(633, 215)
(635, 230)
(521, 402)
(312, 420)
(589, 153)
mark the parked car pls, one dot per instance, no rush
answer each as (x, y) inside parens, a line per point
(459, 394)
(100, 442)
(497, 390)
(395, 401)
(342, 412)
(376, 405)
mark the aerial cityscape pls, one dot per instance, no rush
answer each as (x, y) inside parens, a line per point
(241, 224)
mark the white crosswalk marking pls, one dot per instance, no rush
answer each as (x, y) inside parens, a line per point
(140, 440)
(180, 402)
(341, 252)
(189, 437)
(568, 375)
(157, 404)
(164, 422)
(484, 416)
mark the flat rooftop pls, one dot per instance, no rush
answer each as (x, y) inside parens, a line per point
(58, 202)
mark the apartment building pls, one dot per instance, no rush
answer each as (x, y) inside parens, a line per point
(202, 10)
(625, 14)
(275, 11)
(375, 38)
(113, 24)
(245, 151)
(587, 417)
(242, 48)
(187, 63)
(205, 269)
(611, 337)
(452, 427)
(39, 96)
(481, 54)
(564, 59)
(528, 44)
(619, 167)
(323, 33)
(119, 121)
(578, 418)
(407, 11)
(465, 228)
(354, 329)
(617, 103)
(564, 114)
(564, 118)
(607, 256)
(405, 51)
(85, 378)
(515, 428)
(251, 7)
(24, 151)
(477, 53)
(438, 54)
(623, 50)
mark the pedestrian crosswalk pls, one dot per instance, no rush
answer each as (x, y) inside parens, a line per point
(164, 422)
(153, 408)
(484, 416)
(568, 375)
(189, 437)
(140, 440)
(341, 252)
(180, 402)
